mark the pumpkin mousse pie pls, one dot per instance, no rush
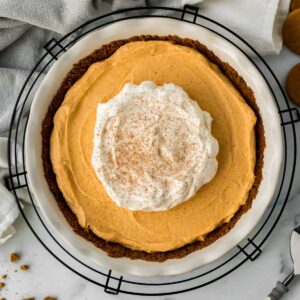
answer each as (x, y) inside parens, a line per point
(153, 147)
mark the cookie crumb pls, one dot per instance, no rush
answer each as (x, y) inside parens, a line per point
(50, 298)
(4, 276)
(2, 298)
(2, 284)
(14, 257)
(24, 267)
(32, 298)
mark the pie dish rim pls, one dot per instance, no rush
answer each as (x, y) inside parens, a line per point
(27, 139)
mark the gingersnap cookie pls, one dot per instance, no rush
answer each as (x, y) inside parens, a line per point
(295, 4)
(291, 31)
(292, 84)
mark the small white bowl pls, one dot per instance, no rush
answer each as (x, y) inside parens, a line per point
(85, 250)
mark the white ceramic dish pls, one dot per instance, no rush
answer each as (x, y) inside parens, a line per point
(85, 250)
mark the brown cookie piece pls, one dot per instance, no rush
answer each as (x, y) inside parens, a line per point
(295, 4)
(14, 257)
(24, 267)
(292, 84)
(291, 31)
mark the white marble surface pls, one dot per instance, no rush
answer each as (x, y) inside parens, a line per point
(252, 281)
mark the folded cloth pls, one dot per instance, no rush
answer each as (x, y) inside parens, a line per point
(258, 22)
(8, 208)
(25, 26)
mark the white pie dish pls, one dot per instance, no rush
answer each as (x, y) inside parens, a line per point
(125, 29)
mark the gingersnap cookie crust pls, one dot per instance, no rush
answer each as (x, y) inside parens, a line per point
(115, 249)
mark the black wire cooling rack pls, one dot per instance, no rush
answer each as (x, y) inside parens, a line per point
(113, 283)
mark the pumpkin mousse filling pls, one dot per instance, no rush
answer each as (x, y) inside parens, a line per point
(154, 148)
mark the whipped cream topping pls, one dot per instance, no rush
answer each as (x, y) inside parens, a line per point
(153, 147)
